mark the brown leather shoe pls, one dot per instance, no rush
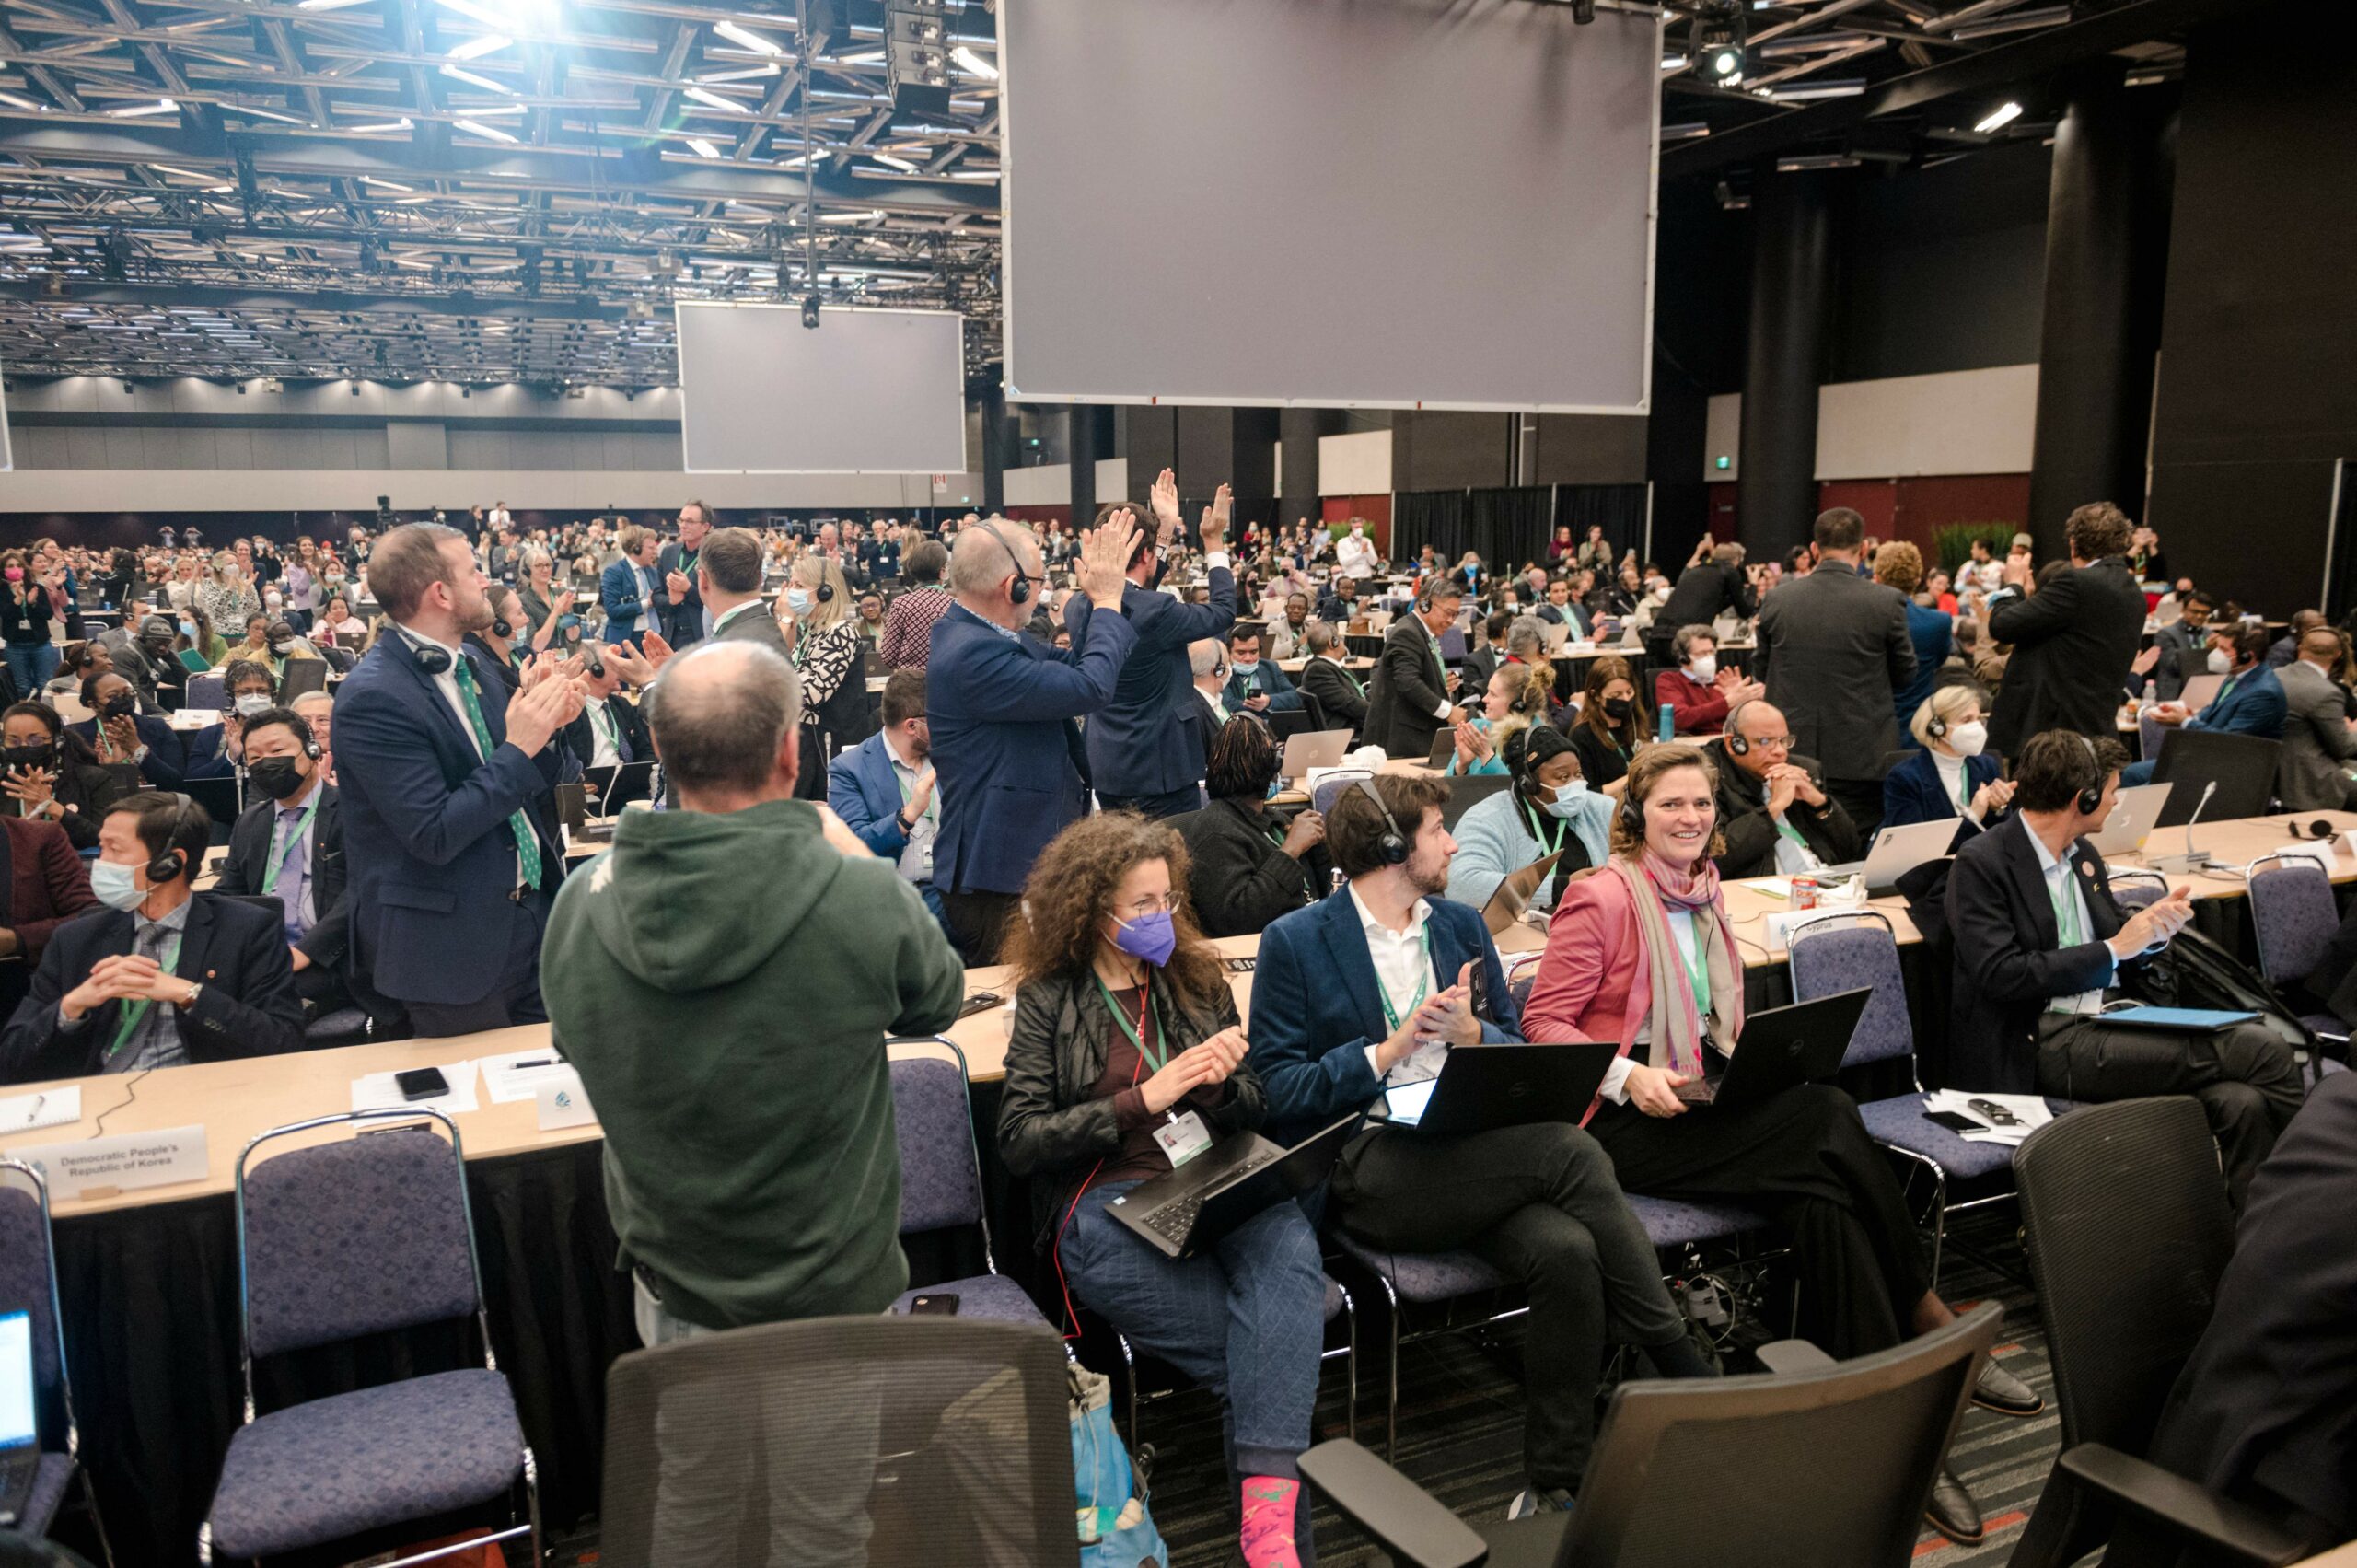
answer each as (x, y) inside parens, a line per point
(1953, 1512)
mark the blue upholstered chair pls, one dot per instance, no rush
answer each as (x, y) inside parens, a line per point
(2294, 913)
(206, 692)
(29, 1285)
(941, 1175)
(2132, 888)
(1329, 789)
(364, 1235)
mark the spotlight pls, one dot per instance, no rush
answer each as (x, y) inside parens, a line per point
(810, 311)
(1715, 41)
(1583, 12)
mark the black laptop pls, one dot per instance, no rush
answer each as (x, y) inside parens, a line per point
(609, 788)
(1188, 1210)
(1783, 1047)
(1506, 1083)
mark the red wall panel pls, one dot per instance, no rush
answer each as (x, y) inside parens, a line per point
(1375, 509)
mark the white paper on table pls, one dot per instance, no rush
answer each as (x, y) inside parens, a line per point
(50, 1107)
(507, 1080)
(378, 1092)
(2322, 851)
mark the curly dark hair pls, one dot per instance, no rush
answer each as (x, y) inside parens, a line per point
(1243, 759)
(1071, 891)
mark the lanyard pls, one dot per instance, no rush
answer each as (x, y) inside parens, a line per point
(909, 793)
(1963, 787)
(1135, 1032)
(1539, 821)
(1391, 1015)
(2066, 910)
(1698, 974)
(138, 1009)
(302, 825)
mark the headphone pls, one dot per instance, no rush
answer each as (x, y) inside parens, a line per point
(2091, 796)
(1938, 727)
(430, 659)
(172, 863)
(1021, 592)
(1392, 848)
(1737, 744)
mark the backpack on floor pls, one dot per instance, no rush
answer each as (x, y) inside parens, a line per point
(1116, 1531)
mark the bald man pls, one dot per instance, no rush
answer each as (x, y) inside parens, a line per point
(1773, 806)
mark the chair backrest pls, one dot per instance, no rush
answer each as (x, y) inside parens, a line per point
(945, 1440)
(2150, 734)
(1329, 789)
(205, 692)
(1822, 1466)
(2128, 1233)
(356, 1237)
(941, 1179)
(29, 1269)
(2133, 889)
(1844, 952)
(2294, 912)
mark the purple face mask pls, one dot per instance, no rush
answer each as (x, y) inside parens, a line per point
(1151, 937)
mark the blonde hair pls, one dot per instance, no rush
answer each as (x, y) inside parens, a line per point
(1943, 704)
(632, 538)
(1900, 564)
(813, 572)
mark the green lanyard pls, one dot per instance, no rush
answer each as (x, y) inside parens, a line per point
(1787, 830)
(302, 826)
(1538, 822)
(1391, 1015)
(1963, 789)
(138, 1009)
(909, 793)
(1145, 1000)
(2066, 913)
(1698, 972)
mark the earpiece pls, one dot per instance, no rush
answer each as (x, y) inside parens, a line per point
(430, 659)
(2091, 796)
(1393, 845)
(1019, 594)
(1737, 744)
(172, 863)
(1937, 728)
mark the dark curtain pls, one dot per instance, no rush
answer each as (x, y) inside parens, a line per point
(1620, 508)
(1512, 527)
(1437, 517)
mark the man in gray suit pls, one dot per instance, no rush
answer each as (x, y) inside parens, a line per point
(2313, 771)
(1833, 649)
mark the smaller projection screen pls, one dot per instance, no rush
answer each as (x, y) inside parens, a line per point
(865, 392)
(1402, 204)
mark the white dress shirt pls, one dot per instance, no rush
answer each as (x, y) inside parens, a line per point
(1615, 1086)
(2060, 883)
(1354, 556)
(1404, 969)
(1216, 702)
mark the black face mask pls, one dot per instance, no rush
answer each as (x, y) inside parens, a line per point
(1618, 708)
(121, 705)
(38, 756)
(276, 776)
(501, 629)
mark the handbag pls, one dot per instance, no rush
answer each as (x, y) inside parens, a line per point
(1115, 1531)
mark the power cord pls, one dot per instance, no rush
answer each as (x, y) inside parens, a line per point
(131, 1092)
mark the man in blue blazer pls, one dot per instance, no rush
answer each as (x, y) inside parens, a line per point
(882, 788)
(1143, 754)
(162, 975)
(2250, 703)
(630, 591)
(446, 785)
(1256, 685)
(1374, 986)
(1000, 708)
(120, 732)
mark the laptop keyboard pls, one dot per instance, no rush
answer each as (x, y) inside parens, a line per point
(1176, 1218)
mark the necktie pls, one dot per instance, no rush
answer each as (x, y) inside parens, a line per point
(614, 736)
(528, 843)
(294, 870)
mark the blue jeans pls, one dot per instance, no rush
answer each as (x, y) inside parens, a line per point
(29, 666)
(2138, 773)
(1246, 1319)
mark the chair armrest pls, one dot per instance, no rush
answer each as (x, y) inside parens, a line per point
(2182, 1507)
(1407, 1521)
(1794, 1355)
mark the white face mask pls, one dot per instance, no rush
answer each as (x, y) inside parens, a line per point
(1970, 739)
(1705, 667)
(2221, 662)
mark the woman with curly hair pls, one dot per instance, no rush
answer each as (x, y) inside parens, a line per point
(1125, 1043)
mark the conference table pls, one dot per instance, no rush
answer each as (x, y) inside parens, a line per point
(148, 1275)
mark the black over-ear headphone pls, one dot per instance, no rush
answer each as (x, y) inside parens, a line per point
(1936, 727)
(1392, 848)
(2091, 796)
(172, 863)
(1737, 743)
(1021, 592)
(430, 659)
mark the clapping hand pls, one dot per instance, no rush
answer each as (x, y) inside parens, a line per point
(656, 650)
(1994, 795)
(676, 585)
(1198, 1066)
(2154, 924)
(1450, 1016)
(2142, 663)
(1306, 832)
(1105, 559)
(1472, 747)
(633, 667)
(31, 785)
(538, 713)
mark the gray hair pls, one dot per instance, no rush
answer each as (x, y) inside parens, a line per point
(1204, 657)
(1527, 636)
(406, 563)
(720, 713)
(1683, 643)
(533, 555)
(1321, 636)
(1727, 555)
(987, 554)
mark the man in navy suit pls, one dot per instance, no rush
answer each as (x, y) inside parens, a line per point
(162, 975)
(999, 707)
(883, 788)
(629, 589)
(2250, 703)
(446, 789)
(1374, 986)
(682, 607)
(1254, 684)
(1144, 753)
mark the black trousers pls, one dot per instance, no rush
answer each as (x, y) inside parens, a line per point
(2245, 1077)
(1805, 1159)
(1538, 1204)
(1175, 803)
(977, 922)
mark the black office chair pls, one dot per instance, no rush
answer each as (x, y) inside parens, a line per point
(2128, 1235)
(1819, 1461)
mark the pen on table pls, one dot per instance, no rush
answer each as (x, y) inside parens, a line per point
(537, 1062)
(39, 1100)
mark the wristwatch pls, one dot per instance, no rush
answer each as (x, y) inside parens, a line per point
(901, 817)
(195, 990)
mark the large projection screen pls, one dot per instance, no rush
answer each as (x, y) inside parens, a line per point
(865, 392)
(1405, 204)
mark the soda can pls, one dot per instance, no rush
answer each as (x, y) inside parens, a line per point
(1803, 893)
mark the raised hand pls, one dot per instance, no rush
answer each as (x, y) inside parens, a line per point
(656, 650)
(1105, 559)
(1214, 524)
(1165, 502)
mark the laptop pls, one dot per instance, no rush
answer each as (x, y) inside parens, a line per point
(1514, 893)
(1554, 634)
(302, 676)
(2200, 689)
(1508, 1084)
(573, 814)
(611, 788)
(1464, 794)
(2132, 816)
(1312, 748)
(19, 1434)
(1190, 1209)
(1285, 723)
(1898, 850)
(1444, 749)
(1782, 1048)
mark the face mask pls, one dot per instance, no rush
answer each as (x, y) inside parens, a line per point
(2221, 662)
(1567, 798)
(1705, 667)
(15, 574)
(117, 886)
(188, 628)
(1969, 739)
(798, 600)
(1151, 937)
(248, 703)
(121, 705)
(277, 777)
(1618, 708)
(38, 756)
(282, 648)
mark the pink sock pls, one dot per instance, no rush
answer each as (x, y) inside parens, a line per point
(1268, 1522)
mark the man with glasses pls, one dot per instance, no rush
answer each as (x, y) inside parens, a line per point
(1772, 804)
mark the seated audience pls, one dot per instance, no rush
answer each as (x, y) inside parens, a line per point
(1126, 1035)
(1289, 635)
(2286, 648)
(163, 976)
(289, 845)
(1340, 693)
(217, 751)
(337, 619)
(1774, 814)
(2261, 1409)
(611, 729)
(318, 709)
(2181, 644)
(1550, 809)
(119, 733)
(1610, 727)
(1250, 865)
(1698, 693)
(883, 788)
(1954, 774)
(1373, 986)
(2250, 703)
(54, 775)
(142, 654)
(1340, 604)
(1644, 954)
(2314, 770)
(2041, 945)
(1515, 695)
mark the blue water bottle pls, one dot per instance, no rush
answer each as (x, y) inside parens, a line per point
(1662, 727)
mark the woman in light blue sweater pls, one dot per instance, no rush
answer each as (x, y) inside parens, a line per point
(1549, 808)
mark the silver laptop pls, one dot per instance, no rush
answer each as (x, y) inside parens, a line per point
(2200, 689)
(1898, 850)
(1312, 748)
(2132, 816)
(1555, 635)
(19, 1432)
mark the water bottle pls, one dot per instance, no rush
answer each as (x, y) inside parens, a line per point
(2151, 700)
(1663, 727)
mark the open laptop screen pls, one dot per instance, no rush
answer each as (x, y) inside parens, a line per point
(17, 1428)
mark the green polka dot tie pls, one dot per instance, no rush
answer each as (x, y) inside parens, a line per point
(527, 842)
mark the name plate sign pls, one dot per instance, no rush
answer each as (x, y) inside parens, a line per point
(563, 1103)
(118, 1163)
